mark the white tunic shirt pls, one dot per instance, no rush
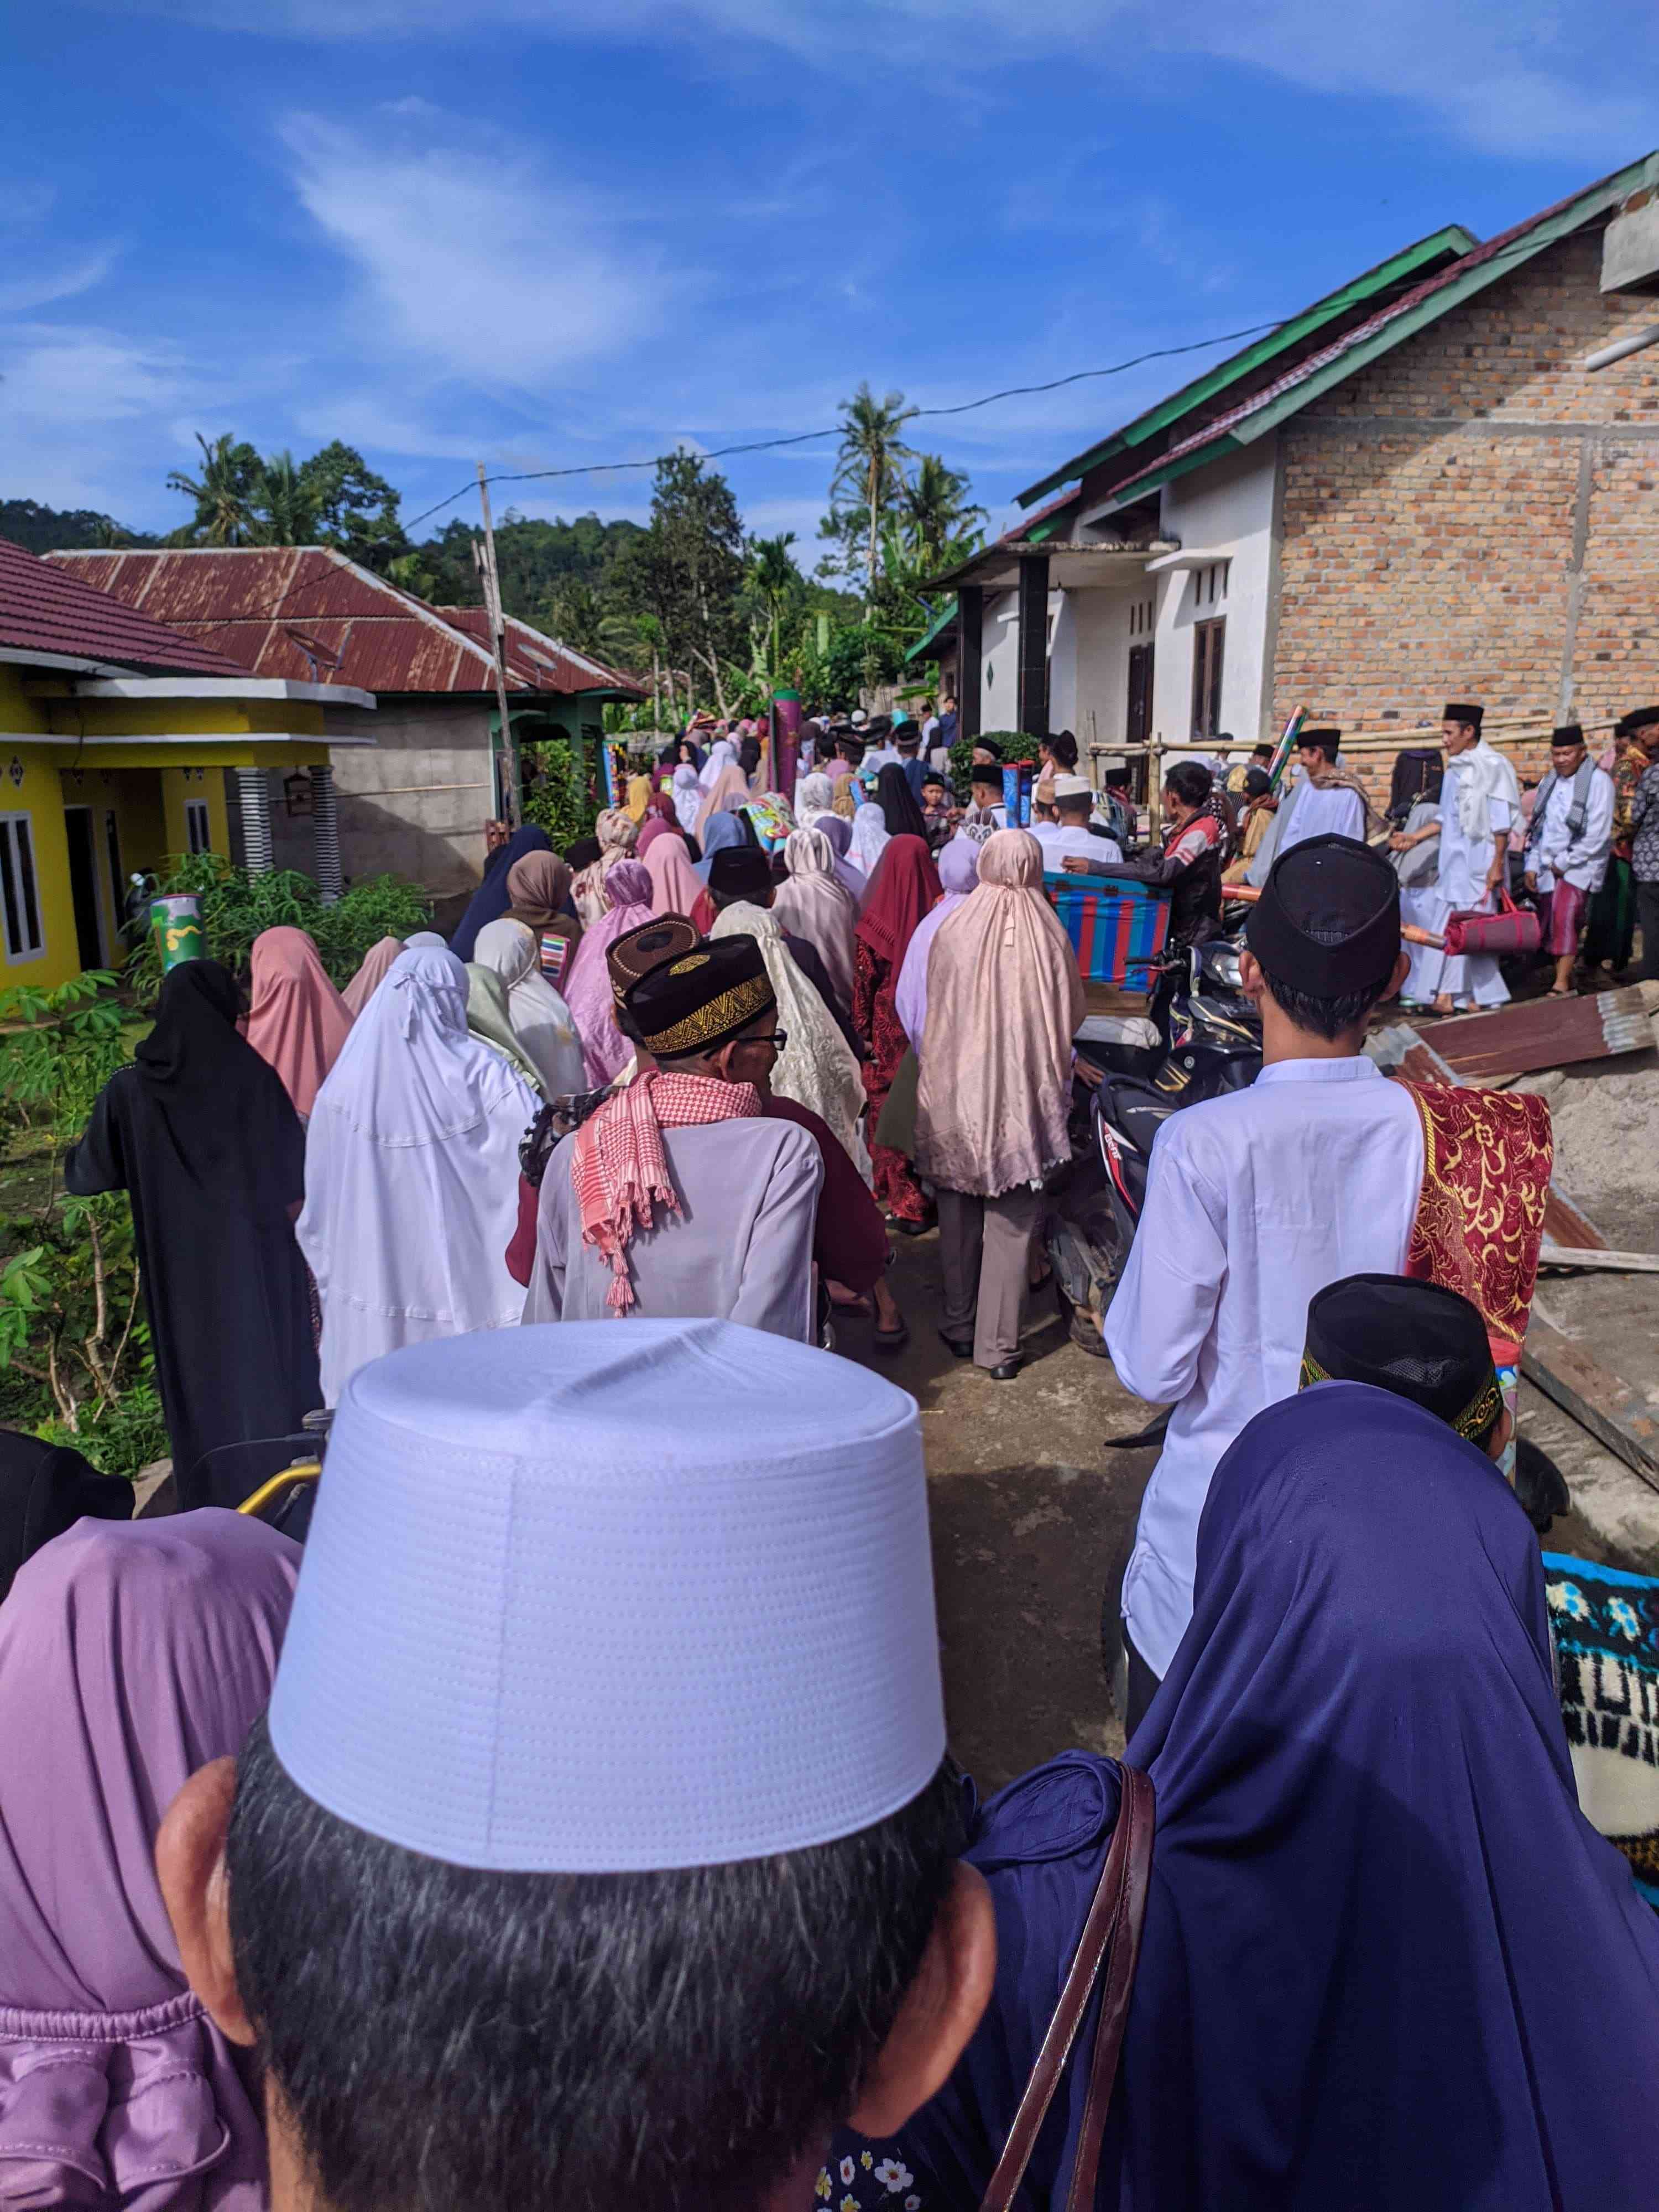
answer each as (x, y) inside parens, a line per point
(1254, 1203)
(1460, 887)
(1335, 812)
(1057, 839)
(1582, 861)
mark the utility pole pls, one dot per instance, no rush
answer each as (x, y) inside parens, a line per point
(492, 592)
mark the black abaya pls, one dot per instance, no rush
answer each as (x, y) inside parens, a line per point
(203, 1138)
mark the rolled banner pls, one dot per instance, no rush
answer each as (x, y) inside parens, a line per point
(176, 924)
(1287, 745)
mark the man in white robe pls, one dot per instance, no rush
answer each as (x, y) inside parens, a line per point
(1569, 845)
(1254, 1202)
(1073, 804)
(1480, 806)
(1325, 801)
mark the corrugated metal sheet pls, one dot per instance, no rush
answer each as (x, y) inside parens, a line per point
(43, 609)
(540, 662)
(306, 613)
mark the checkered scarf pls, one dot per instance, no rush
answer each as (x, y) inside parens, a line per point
(620, 1170)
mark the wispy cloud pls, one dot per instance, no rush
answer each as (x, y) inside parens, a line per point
(22, 295)
(489, 272)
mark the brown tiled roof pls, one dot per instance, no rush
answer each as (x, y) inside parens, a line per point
(43, 610)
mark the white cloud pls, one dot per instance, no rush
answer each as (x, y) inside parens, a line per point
(69, 401)
(482, 266)
(24, 293)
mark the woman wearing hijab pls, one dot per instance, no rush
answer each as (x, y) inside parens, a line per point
(675, 886)
(899, 811)
(488, 1020)
(539, 887)
(993, 1094)
(543, 1027)
(722, 755)
(904, 886)
(729, 792)
(686, 754)
(1369, 1867)
(296, 1020)
(851, 878)
(131, 1655)
(372, 974)
(816, 1067)
(958, 872)
(200, 1133)
(411, 1173)
(688, 796)
(813, 903)
(489, 902)
(639, 793)
(591, 996)
(813, 798)
(618, 834)
(870, 837)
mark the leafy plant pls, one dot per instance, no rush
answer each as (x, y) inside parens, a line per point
(236, 907)
(1013, 745)
(557, 799)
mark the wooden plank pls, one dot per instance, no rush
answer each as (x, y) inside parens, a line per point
(1565, 1226)
(1551, 1254)
(1595, 1397)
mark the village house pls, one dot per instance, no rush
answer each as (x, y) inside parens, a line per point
(416, 806)
(123, 742)
(1436, 482)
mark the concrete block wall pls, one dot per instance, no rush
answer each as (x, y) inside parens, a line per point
(1476, 516)
(416, 805)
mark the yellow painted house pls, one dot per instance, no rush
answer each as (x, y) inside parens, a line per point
(123, 743)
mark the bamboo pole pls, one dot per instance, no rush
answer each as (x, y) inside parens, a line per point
(1247, 894)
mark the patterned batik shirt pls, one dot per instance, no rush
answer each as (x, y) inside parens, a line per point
(1644, 825)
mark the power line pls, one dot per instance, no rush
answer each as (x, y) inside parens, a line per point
(834, 429)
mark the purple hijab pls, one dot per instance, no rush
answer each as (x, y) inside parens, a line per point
(838, 830)
(1387, 1961)
(958, 872)
(131, 1654)
(593, 1003)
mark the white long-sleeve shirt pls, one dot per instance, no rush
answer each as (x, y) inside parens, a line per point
(1335, 811)
(1254, 1203)
(1556, 852)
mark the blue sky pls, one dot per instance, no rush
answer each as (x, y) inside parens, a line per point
(491, 228)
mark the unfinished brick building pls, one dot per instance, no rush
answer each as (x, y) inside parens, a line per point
(1437, 482)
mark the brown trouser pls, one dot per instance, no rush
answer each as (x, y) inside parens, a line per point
(985, 1245)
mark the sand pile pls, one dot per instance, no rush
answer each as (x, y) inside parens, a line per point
(1606, 1115)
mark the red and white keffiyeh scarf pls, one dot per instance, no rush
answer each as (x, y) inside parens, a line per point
(620, 1170)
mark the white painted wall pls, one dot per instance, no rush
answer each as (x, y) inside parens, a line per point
(1225, 510)
(999, 696)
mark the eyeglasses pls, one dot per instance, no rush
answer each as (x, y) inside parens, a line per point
(777, 1040)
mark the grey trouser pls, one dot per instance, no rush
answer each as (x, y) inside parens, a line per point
(985, 1245)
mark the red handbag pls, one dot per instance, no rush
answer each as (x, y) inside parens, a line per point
(1511, 929)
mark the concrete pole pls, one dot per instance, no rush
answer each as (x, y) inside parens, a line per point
(492, 583)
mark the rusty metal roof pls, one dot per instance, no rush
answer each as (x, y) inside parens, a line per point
(308, 613)
(540, 662)
(44, 610)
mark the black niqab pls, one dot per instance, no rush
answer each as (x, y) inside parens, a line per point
(201, 1135)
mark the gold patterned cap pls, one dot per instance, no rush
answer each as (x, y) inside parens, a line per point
(1415, 1339)
(652, 944)
(697, 1002)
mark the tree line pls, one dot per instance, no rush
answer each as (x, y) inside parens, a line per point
(692, 604)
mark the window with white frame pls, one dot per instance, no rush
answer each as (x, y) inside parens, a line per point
(197, 829)
(20, 888)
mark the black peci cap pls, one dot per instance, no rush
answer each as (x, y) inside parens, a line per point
(1415, 1339)
(700, 1001)
(1327, 921)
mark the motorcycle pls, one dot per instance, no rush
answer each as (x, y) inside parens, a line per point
(1201, 1038)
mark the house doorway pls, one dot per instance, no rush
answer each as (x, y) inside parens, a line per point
(83, 887)
(1138, 723)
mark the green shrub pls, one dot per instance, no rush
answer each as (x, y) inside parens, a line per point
(1013, 745)
(237, 906)
(557, 800)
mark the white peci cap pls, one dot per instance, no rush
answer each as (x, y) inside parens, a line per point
(1071, 787)
(604, 1597)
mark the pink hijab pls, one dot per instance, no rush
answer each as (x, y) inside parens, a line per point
(297, 1020)
(363, 985)
(655, 828)
(674, 883)
(729, 792)
(587, 992)
(1004, 1002)
(131, 1653)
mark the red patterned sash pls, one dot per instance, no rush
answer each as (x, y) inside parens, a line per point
(1486, 1161)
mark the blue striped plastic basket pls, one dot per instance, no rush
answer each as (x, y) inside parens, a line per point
(1117, 929)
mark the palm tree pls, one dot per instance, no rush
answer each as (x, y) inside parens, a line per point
(871, 458)
(938, 513)
(775, 580)
(287, 511)
(224, 493)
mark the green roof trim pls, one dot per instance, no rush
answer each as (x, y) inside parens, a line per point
(942, 621)
(1448, 245)
(1509, 251)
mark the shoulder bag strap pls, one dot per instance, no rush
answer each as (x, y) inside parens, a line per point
(1111, 1937)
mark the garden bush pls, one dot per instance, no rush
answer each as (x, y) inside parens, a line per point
(1013, 745)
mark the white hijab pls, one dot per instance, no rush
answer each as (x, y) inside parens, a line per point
(816, 1067)
(541, 1020)
(721, 754)
(869, 838)
(686, 797)
(1484, 775)
(412, 1173)
(815, 794)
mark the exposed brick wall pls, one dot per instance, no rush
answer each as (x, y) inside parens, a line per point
(1418, 564)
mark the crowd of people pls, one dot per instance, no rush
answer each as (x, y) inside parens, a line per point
(571, 1823)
